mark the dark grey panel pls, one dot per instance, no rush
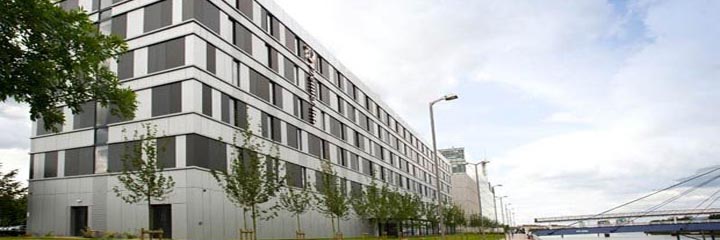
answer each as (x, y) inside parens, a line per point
(264, 19)
(320, 181)
(265, 124)
(354, 163)
(210, 58)
(166, 55)
(79, 161)
(241, 117)
(207, 100)
(119, 26)
(276, 133)
(242, 37)
(367, 167)
(342, 157)
(224, 107)
(272, 58)
(246, 7)
(294, 175)
(119, 153)
(355, 188)
(289, 70)
(292, 135)
(259, 85)
(336, 128)
(290, 40)
(324, 93)
(157, 15)
(51, 164)
(275, 25)
(166, 99)
(204, 11)
(277, 95)
(126, 65)
(86, 117)
(314, 145)
(166, 152)
(206, 153)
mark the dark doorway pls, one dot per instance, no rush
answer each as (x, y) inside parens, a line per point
(78, 220)
(162, 219)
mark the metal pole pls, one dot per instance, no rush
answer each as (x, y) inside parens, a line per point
(437, 171)
(495, 206)
(477, 181)
(502, 212)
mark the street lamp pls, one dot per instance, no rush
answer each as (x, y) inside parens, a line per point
(477, 185)
(507, 214)
(502, 209)
(495, 201)
(447, 97)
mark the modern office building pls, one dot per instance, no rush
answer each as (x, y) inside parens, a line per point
(202, 70)
(465, 186)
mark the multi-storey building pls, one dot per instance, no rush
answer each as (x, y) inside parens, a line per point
(203, 69)
(465, 185)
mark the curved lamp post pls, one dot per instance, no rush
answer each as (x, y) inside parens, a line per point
(448, 97)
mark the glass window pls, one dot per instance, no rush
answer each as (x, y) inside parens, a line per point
(207, 100)
(235, 72)
(79, 161)
(86, 117)
(166, 152)
(241, 117)
(271, 127)
(272, 58)
(290, 71)
(342, 157)
(295, 175)
(225, 103)
(245, 7)
(126, 65)
(355, 188)
(204, 11)
(165, 55)
(157, 15)
(166, 99)
(354, 163)
(367, 167)
(293, 135)
(290, 40)
(206, 153)
(51, 164)
(119, 26)
(314, 145)
(259, 85)
(277, 96)
(120, 152)
(242, 37)
(210, 57)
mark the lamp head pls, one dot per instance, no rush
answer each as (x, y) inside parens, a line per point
(450, 97)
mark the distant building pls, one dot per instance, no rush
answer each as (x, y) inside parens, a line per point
(464, 191)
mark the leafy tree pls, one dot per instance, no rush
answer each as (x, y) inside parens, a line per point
(374, 205)
(429, 211)
(141, 176)
(13, 199)
(407, 207)
(297, 202)
(454, 216)
(51, 57)
(251, 181)
(332, 200)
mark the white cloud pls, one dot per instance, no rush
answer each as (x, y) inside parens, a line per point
(641, 79)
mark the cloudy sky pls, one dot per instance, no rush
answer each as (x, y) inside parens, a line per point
(580, 105)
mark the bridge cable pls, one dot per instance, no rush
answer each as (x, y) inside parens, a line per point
(649, 195)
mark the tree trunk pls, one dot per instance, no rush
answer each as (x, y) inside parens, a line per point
(297, 217)
(332, 223)
(254, 219)
(150, 216)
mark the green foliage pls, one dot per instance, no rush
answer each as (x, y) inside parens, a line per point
(50, 57)
(142, 176)
(714, 216)
(332, 200)
(13, 199)
(375, 204)
(251, 181)
(407, 206)
(297, 202)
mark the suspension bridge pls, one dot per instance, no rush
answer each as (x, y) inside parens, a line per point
(696, 215)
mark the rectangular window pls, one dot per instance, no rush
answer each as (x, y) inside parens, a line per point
(166, 55)
(118, 153)
(324, 93)
(355, 188)
(259, 85)
(337, 128)
(207, 100)
(166, 99)
(354, 163)
(242, 37)
(79, 161)
(85, 118)
(51, 164)
(290, 40)
(290, 71)
(295, 175)
(340, 105)
(210, 57)
(293, 135)
(300, 47)
(367, 167)
(125, 65)
(166, 152)
(204, 11)
(157, 15)
(314, 145)
(277, 96)
(364, 120)
(206, 153)
(245, 7)
(350, 113)
(235, 72)
(302, 108)
(274, 27)
(272, 58)
(241, 116)
(225, 109)
(359, 140)
(342, 157)
(271, 127)
(119, 26)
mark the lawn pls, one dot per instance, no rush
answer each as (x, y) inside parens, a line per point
(449, 237)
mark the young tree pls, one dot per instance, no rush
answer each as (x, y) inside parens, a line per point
(51, 57)
(13, 199)
(252, 179)
(407, 207)
(332, 200)
(297, 202)
(429, 211)
(142, 178)
(454, 216)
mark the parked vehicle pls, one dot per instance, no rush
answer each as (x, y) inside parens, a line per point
(13, 230)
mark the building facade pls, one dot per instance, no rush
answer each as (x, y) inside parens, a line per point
(465, 185)
(203, 70)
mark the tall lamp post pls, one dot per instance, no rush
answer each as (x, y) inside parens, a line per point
(507, 214)
(477, 185)
(502, 209)
(495, 201)
(447, 97)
